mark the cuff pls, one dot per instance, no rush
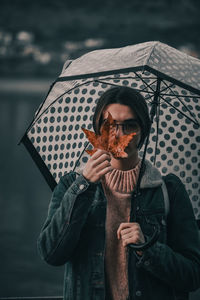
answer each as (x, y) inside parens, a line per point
(81, 184)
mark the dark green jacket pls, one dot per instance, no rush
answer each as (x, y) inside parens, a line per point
(74, 235)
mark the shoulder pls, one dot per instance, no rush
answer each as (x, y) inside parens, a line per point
(181, 208)
(174, 183)
(176, 189)
(172, 179)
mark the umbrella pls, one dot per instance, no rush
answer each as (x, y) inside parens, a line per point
(169, 81)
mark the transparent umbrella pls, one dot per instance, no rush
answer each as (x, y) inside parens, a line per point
(169, 81)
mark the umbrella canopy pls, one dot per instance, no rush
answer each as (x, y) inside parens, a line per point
(167, 78)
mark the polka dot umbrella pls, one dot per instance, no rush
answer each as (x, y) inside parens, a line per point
(169, 81)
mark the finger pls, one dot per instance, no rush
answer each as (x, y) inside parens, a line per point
(124, 226)
(131, 240)
(131, 232)
(121, 227)
(128, 241)
(127, 230)
(98, 153)
(133, 227)
(102, 166)
(105, 171)
(137, 237)
(102, 158)
(127, 235)
(127, 226)
(95, 163)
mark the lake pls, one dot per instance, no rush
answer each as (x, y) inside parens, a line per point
(24, 197)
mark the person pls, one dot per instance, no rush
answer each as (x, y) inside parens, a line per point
(94, 217)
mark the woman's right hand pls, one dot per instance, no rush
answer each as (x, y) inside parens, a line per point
(97, 166)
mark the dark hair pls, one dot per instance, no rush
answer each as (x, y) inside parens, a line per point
(126, 96)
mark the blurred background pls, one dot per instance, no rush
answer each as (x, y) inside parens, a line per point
(36, 38)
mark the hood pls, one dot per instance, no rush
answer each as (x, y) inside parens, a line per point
(151, 177)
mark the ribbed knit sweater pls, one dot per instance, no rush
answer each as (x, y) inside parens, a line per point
(118, 186)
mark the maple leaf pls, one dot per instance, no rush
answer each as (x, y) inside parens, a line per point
(108, 140)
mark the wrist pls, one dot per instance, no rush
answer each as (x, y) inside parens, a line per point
(85, 176)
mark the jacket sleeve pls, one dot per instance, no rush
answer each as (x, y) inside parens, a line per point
(68, 210)
(178, 262)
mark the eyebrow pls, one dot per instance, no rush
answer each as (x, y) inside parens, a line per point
(126, 121)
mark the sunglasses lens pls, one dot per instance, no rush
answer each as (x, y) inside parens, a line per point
(128, 127)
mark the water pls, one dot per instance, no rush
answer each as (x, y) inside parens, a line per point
(24, 198)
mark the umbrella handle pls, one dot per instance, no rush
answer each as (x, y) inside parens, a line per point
(149, 242)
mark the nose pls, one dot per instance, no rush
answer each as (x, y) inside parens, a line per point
(118, 131)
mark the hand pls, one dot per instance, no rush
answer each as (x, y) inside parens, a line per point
(97, 166)
(130, 233)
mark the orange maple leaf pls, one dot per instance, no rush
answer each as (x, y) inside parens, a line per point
(108, 140)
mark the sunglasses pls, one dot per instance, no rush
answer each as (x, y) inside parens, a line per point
(126, 127)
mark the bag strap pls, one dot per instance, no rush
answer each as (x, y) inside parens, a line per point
(166, 198)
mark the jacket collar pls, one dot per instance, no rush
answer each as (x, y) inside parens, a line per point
(151, 177)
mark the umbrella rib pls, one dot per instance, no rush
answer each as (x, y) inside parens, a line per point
(105, 82)
(127, 77)
(38, 116)
(171, 95)
(157, 130)
(148, 86)
(145, 82)
(167, 87)
(115, 84)
(150, 96)
(180, 96)
(78, 85)
(160, 91)
(192, 120)
(131, 77)
(191, 114)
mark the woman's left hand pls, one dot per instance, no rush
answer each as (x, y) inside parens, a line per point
(130, 233)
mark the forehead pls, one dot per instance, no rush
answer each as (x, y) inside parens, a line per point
(119, 112)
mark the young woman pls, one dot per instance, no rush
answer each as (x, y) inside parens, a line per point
(95, 216)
